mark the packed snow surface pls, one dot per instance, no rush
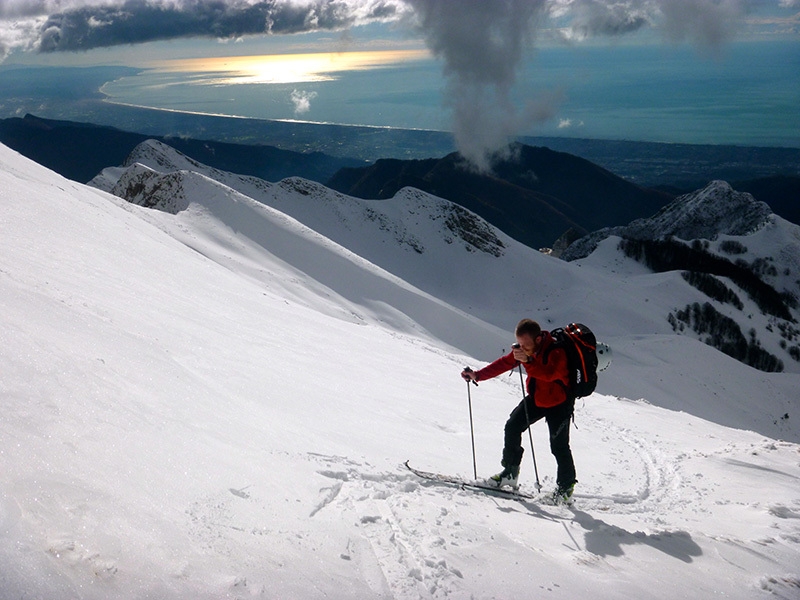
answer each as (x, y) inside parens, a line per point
(217, 403)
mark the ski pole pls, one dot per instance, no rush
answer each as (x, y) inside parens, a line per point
(471, 427)
(528, 421)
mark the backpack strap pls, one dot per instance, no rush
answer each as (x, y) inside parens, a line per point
(573, 331)
(556, 340)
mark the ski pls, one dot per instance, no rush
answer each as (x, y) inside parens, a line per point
(477, 486)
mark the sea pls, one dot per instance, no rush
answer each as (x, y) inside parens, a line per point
(747, 93)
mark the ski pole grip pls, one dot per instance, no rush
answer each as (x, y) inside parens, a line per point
(469, 370)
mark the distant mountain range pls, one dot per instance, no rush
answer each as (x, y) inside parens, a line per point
(534, 196)
(735, 251)
(539, 197)
(79, 151)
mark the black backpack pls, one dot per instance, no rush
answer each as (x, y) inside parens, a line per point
(580, 346)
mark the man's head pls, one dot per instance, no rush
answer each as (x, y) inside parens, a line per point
(528, 333)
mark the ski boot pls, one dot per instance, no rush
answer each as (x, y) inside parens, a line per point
(508, 477)
(563, 494)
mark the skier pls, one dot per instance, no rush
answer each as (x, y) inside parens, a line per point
(546, 398)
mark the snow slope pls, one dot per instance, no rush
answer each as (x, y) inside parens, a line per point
(435, 246)
(217, 404)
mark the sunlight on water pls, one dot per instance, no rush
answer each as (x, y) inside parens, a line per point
(748, 96)
(284, 68)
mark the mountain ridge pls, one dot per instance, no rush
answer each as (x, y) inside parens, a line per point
(411, 220)
(79, 151)
(717, 209)
(535, 195)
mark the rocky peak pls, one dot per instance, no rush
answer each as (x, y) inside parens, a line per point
(704, 214)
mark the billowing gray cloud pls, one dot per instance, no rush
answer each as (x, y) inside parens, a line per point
(482, 43)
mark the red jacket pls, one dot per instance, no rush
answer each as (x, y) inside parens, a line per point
(547, 382)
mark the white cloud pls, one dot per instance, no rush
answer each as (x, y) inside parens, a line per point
(302, 101)
(569, 123)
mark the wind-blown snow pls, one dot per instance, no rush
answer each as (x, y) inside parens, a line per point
(217, 403)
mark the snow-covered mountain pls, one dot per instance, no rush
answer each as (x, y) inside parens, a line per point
(422, 239)
(728, 245)
(715, 210)
(217, 403)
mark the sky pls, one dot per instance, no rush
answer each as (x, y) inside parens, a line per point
(484, 51)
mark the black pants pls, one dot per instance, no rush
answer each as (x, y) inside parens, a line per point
(558, 421)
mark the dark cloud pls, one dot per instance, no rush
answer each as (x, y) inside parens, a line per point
(595, 18)
(136, 21)
(460, 31)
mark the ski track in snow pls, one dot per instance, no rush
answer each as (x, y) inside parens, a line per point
(408, 530)
(655, 477)
(408, 545)
(414, 539)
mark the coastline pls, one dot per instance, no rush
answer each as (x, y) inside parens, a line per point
(77, 95)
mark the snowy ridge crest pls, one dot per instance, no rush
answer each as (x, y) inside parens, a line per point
(715, 210)
(143, 180)
(705, 214)
(161, 158)
(419, 238)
